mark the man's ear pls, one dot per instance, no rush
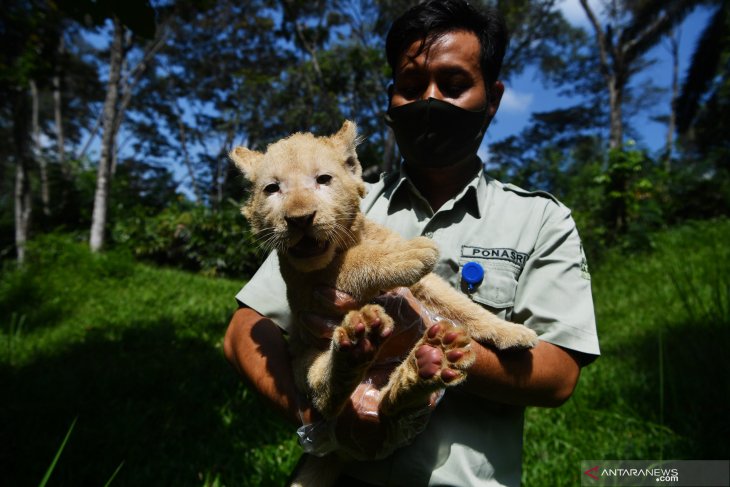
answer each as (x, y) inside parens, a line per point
(494, 97)
(347, 138)
(245, 160)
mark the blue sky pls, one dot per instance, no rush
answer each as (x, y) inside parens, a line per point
(525, 94)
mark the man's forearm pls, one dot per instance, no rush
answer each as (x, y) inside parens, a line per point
(256, 348)
(543, 376)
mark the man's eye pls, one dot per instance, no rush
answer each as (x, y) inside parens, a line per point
(271, 188)
(324, 179)
(409, 92)
(454, 90)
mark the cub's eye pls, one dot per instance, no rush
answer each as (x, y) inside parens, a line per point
(324, 179)
(271, 188)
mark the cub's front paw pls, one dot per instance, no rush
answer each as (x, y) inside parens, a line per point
(413, 260)
(424, 250)
(515, 336)
(361, 333)
(444, 354)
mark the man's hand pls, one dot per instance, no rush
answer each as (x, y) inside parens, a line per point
(336, 304)
(364, 433)
(359, 428)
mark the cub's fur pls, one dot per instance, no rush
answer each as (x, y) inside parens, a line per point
(305, 204)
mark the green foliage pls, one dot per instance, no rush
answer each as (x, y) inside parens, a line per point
(216, 243)
(659, 390)
(135, 353)
(616, 202)
(618, 198)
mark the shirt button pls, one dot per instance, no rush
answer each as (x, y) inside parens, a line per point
(429, 234)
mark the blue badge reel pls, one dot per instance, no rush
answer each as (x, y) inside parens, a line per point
(473, 274)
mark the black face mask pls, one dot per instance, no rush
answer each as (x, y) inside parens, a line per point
(434, 133)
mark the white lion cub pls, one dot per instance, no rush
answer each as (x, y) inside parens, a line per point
(305, 204)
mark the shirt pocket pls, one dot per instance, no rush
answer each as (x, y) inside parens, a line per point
(498, 287)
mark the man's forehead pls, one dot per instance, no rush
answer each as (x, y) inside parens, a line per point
(457, 47)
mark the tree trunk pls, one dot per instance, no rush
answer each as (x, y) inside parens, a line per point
(186, 154)
(22, 194)
(390, 159)
(222, 162)
(619, 181)
(36, 150)
(103, 177)
(58, 112)
(616, 130)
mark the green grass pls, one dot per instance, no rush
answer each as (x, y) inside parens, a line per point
(134, 353)
(661, 388)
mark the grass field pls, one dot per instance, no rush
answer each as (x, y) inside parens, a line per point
(133, 354)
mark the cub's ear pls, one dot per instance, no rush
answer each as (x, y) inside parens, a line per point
(348, 139)
(347, 135)
(245, 159)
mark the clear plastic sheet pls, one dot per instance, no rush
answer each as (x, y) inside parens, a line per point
(412, 320)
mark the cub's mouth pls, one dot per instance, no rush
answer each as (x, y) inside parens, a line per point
(308, 247)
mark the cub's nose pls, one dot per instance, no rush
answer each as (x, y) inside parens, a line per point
(301, 222)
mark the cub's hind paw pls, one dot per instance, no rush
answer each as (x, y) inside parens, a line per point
(362, 332)
(444, 354)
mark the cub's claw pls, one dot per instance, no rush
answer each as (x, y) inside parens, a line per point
(362, 332)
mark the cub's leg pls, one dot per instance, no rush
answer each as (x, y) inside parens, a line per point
(438, 296)
(371, 267)
(355, 343)
(439, 359)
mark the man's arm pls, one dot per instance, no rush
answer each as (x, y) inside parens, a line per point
(545, 375)
(256, 348)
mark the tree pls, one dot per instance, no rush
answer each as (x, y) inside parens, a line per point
(27, 37)
(631, 30)
(702, 180)
(120, 87)
(707, 69)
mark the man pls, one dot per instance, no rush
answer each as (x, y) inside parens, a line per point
(445, 57)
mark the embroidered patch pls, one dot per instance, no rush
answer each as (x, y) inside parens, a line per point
(585, 274)
(510, 255)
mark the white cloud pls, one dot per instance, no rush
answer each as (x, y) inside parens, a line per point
(514, 101)
(574, 13)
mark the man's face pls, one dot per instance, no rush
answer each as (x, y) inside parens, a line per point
(449, 70)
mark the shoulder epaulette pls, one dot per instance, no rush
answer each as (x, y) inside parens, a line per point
(524, 192)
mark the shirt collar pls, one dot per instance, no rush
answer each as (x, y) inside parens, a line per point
(473, 195)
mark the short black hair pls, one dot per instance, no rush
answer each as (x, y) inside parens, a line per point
(430, 20)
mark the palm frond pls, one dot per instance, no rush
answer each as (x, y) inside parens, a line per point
(703, 68)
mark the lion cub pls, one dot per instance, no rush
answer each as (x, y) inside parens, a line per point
(305, 204)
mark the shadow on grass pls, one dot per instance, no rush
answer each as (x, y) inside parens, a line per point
(687, 388)
(171, 409)
(21, 298)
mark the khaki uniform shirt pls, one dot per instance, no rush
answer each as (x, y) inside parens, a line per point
(534, 273)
